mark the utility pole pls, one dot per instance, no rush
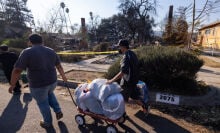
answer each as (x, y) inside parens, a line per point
(170, 25)
(193, 24)
(83, 29)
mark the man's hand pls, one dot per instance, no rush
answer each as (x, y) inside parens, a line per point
(118, 76)
(14, 78)
(109, 82)
(64, 78)
(11, 88)
(61, 71)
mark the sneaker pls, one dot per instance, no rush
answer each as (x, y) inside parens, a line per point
(59, 115)
(146, 109)
(44, 124)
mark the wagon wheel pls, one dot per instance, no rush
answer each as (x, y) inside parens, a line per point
(111, 129)
(80, 120)
(122, 119)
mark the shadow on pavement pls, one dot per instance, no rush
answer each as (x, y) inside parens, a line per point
(97, 126)
(100, 126)
(50, 130)
(160, 124)
(94, 128)
(63, 128)
(129, 130)
(14, 114)
(209, 71)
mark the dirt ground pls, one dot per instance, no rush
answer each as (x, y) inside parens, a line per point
(83, 76)
(206, 118)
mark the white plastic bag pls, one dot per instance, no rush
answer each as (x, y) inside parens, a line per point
(86, 101)
(95, 86)
(107, 90)
(114, 106)
(78, 92)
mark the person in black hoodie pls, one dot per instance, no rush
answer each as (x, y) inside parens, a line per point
(129, 75)
(8, 59)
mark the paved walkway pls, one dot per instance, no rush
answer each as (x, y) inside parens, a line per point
(211, 52)
(87, 65)
(212, 77)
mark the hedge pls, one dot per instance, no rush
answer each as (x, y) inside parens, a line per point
(16, 43)
(166, 68)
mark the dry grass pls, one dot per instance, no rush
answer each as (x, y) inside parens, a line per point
(83, 76)
(210, 62)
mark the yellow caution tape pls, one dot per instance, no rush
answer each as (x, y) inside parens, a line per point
(87, 53)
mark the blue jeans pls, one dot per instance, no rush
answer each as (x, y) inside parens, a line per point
(45, 99)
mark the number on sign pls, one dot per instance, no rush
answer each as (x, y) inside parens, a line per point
(172, 99)
(166, 98)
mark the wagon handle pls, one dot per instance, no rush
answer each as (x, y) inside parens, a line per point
(65, 84)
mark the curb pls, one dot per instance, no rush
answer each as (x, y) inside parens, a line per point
(211, 53)
(69, 84)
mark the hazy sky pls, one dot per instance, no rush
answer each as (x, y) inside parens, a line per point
(104, 8)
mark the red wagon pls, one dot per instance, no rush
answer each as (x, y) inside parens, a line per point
(111, 124)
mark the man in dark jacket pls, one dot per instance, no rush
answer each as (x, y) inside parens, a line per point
(8, 59)
(129, 74)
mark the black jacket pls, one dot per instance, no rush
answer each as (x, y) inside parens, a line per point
(8, 60)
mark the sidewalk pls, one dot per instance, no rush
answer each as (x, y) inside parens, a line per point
(86, 65)
(211, 52)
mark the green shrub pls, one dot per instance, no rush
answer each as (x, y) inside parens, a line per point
(70, 58)
(101, 47)
(196, 51)
(113, 70)
(167, 69)
(16, 50)
(16, 43)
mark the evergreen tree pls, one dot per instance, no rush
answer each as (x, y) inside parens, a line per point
(176, 29)
(15, 18)
(17, 14)
(181, 31)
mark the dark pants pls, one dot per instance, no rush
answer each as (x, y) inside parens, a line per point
(18, 86)
(130, 91)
